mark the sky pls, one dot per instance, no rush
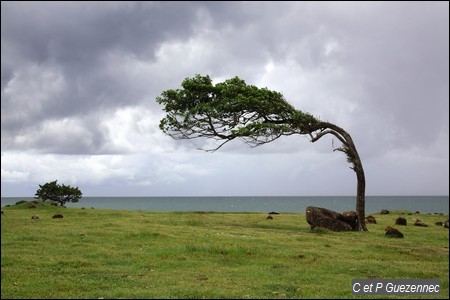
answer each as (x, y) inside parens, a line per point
(79, 82)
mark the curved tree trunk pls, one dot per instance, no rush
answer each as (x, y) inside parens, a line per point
(360, 195)
(348, 147)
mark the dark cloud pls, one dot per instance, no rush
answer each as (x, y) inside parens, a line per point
(66, 43)
(78, 33)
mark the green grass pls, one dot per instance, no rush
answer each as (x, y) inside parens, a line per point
(93, 253)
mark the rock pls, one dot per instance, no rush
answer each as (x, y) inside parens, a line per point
(371, 219)
(328, 219)
(393, 232)
(400, 221)
(35, 217)
(57, 216)
(384, 212)
(420, 223)
(351, 218)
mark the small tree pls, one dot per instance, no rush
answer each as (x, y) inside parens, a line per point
(232, 109)
(58, 194)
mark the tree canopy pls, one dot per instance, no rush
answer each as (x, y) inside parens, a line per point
(58, 194)
(232, 109)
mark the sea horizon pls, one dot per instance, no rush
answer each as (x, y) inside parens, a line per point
(286, 204)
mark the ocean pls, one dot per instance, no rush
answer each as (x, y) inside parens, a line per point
(292, 204)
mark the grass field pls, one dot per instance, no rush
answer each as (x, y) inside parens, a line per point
(93, 253)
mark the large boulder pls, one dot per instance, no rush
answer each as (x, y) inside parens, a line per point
(331, 220)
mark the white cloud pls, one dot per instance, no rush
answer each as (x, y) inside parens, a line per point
(17, 176)
(135, 130)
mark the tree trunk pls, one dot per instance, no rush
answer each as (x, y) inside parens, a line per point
(360, 196)
(353, 157)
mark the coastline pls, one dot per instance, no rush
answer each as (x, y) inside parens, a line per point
(286, 204)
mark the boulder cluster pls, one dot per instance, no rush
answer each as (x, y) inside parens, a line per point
(318, 217)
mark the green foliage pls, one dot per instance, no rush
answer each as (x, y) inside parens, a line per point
(58, 194)
(228, 110)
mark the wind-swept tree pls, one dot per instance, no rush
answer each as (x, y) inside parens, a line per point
(232, 109)
(58, 194)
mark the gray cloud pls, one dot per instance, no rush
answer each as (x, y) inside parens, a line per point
(55, 55)
(81, 78)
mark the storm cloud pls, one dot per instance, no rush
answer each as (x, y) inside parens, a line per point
(79, 82)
